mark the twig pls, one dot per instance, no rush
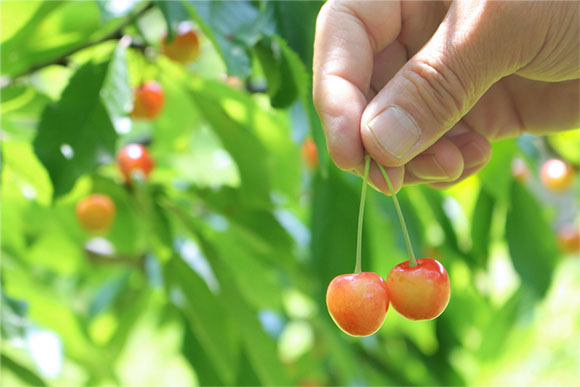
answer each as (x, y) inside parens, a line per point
(115, 35)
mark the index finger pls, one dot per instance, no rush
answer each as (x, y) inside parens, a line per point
(348, 35)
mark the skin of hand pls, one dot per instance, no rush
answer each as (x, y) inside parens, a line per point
(424, 86)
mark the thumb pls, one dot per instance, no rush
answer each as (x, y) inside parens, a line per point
(436, 87)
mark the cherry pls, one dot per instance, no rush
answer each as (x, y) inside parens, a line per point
(520, 170)
(232, 81)
(184, 48)
(309, 153)
(96, 213)
(557, 175)
(134, 158)
(148, 101)
(358, 303)
(420, 292)
(569, 239)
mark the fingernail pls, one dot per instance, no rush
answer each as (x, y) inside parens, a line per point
(395, 131)
(473, 155)
(427, 167)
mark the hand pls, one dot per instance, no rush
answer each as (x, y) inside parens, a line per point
(424, 86)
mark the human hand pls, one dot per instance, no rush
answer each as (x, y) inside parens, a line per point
(424, 86)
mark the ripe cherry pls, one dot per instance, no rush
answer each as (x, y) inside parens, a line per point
(420, 292)
(148, 101)
(520, 170)
(310, 153)
(184, 48)
(232, 81)
(96, 213)
(134, 158)
(557, 175)
(358, 303)
(569, 239)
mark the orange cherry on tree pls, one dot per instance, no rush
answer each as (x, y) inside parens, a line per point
(569, 239)
(185, 47)
(96, 213)
(148, 101)
(557, 175)
(520, 170)
(309, 153)
(134, 159)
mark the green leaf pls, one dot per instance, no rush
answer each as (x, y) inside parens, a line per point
(76, 133)
(567, 144)
(21, 107)
(496, 177)
(106, 294)
(414, 226)
(173, 12)
(195, 355)
(481, 227)
(290, 14)
(260, 347)
(334, 218)
(435, 201)
(69, 29)
(233, 27)
(531, 241)
(282, 79)
(240, 141)
(24, 374)
(116, 93)
(206, 315)
(12, 317)
(499, 327)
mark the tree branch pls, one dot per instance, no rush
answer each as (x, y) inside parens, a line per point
(115, 35)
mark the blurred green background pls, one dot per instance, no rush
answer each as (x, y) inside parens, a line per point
(215, 269)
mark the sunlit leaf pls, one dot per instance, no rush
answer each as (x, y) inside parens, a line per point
(531, 241)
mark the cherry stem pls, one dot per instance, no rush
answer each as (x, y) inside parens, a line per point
(412, 260)
(361, 213)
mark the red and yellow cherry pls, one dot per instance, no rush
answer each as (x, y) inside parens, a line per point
(232, 81)
(184, 48)
(358, 303)
(309, 153)
(148, 101)
(557, 175)
(569, 239)
(420, 292)
(134, 158)
(520, 170)
(96, 213)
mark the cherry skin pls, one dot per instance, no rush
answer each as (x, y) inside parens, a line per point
(520, 170)
(148, 101)
(557, 175)
(309, 153)
(232, 81)
(134, 158)
(184, 48)
(569, 239)
(421, 292)
(358, 303)
(96, 213)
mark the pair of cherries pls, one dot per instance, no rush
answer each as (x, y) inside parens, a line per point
(418, 289)
(358, 303)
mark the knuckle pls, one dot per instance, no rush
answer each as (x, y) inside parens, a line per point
(441, 90)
